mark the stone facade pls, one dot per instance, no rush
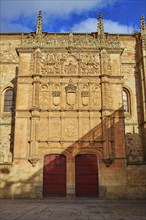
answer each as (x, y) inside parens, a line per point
(68, 92)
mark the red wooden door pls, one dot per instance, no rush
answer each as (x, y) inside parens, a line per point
(54, 175)
(86, 175)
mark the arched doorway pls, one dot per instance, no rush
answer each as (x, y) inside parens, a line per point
(54, 179)
(86, 175)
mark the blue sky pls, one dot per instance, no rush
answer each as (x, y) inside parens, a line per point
(120, 16)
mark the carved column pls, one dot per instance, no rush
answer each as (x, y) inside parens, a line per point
(35, 110)
(33, 150)
(105, 107)
(36, 78)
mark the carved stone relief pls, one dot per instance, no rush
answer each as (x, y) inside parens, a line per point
(70, 128)
(96, 96)
(32, 61)
(106, 62)
(43, 129)
(54, 128)
(44, 96)
(69, 40)
(89, 68)
(56, 95)
(127, 70)
(71, 66)
(74, 64)
(85, 125)
(71, 95)
(85, 95)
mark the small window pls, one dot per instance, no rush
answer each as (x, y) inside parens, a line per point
(9, 100)
(126, 100)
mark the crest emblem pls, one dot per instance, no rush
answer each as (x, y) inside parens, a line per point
(71, 94)
(85, 97)
(56, 97)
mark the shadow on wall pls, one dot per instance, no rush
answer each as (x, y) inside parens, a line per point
(140, 93)
(8, 121)
(106, 141)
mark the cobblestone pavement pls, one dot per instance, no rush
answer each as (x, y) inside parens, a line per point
(72, 209)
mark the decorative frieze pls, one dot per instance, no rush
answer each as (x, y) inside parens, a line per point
(69, 41)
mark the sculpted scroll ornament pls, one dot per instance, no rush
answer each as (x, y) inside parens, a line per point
(89, 68)
(51, 64)
(62, 63)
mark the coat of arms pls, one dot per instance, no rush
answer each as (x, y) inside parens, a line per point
(70, 94)
(56, 97)
(85, 97)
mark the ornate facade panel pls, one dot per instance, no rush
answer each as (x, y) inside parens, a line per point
(95, 96)
(54, 128)
(55, 95)
(44, 96)
(70, 129)
(106, 62)
(71, 66)
(85, 96)
(43, 130)
(128, 71)
(85, 127)
(71, 96)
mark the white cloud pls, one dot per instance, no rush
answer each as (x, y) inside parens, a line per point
(27, 10)
(90, 25)
(15, 8)
(115, 27)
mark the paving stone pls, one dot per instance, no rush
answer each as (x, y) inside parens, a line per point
(72, 210)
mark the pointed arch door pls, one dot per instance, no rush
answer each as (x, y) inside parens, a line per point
(86, 175)
(54, 179)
